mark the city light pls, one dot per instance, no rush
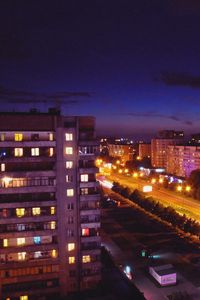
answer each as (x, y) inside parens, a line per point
(147, 188)
(153, 180)
(188, 188)
(179, 188)
(135, 175)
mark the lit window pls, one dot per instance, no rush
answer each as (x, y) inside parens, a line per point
(35, 152)
(70, 246)
(20, 212)
(3, 167)
(37, 240)
(71, 259)
(69, 178)
(68, 150)
(18, 137)
(51, 151)
(84, 177)
(85, 232)
(54, 253)
(86, 259)
(36, 211)
(24, 297)
(69, 164)
(2, 137)
(20, 241)
(84, 191)
(18, 152)
(53, 225)
(5, 242)
(21, 255)
(68, 136)
(50, 136)
(70, 192)
(53, 210)
(37, 254)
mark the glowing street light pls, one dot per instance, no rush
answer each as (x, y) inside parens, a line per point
(120, 171)
(118, 162)
(160, 180)
(135, 175)
(188, 188)
(179, 188)
(126, 170)
(153, 180)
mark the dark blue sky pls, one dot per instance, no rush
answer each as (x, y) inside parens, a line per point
(135, 65)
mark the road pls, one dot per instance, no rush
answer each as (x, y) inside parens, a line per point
(183, 205)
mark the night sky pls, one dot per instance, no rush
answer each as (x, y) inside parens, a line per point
(135, 65)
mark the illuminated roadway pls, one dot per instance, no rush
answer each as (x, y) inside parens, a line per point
(183, 205)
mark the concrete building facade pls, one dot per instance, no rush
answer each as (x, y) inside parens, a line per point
(159, 151)
(49, 205)
(124, 152)
(144, 150)
(182, 160)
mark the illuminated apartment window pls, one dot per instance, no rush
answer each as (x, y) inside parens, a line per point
(69, 178)
(70, 192)
(84, 177)
(85, 232)
(71, 260)
(5, 242)
(24, 297)
(35, 152)
(3, 167)
(68, 137)
(68, 150)
(37, 240)
(53, 225)
(20, 241)
(86, 259)
(53, 210)
(36, 211)
(2, 137)
(20, 212)
(70, 247)
(51, 151)
(69, 164)
(18, 152)
(18, 137)
(21, 255)
(50, 136)
(54, 253)
(84, 191)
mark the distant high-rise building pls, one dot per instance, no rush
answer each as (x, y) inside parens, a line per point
(170, 134)
(124, 152)
(49, 205)
(195, 139)
(182, 160)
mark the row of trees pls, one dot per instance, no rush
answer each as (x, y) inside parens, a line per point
(165, 213)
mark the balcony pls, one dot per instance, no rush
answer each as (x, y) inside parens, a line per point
(27, 144)
(90, 197)
(89, 184)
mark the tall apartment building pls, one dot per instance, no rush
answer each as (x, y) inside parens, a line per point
(49, 205)
(182, 160)
(159, 151)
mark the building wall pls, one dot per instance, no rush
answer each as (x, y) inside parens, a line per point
(144, 150)
(159, 151)
(49, 209)
(125, 152)
(182, 160)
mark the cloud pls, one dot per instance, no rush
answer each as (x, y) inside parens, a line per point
(21, 96)
(152, 114)
(180, 79)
